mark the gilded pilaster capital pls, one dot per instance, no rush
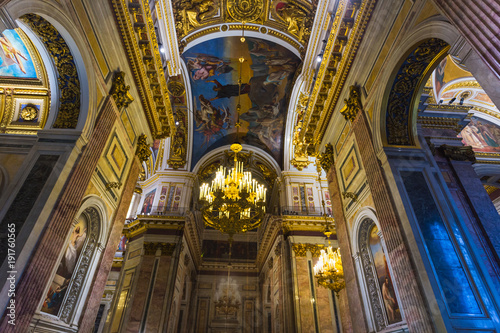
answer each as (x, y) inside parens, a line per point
(143, 151)
(352, 104)
(120, 91)
(301, 249)
(459, 153)
(326, 158)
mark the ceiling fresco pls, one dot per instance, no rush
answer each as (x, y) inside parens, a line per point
(266, 84)
(15, 60)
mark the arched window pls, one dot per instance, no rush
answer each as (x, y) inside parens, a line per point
(379, 292)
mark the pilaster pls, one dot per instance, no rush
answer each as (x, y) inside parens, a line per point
(414, 307)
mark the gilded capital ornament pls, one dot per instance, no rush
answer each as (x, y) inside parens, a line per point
(120, 91)
(143, 151)
(326, 158)
(459, 153)
(352, 104)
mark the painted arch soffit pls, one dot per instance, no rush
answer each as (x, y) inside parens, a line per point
(267, 76)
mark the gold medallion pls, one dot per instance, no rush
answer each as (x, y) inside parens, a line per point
(245, 10)
(29, 112)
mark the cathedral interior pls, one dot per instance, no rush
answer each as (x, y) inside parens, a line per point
(249, 166)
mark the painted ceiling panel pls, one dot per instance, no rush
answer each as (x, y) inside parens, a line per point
(266, 84)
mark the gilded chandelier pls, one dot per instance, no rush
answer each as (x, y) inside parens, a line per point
(328, 270)
(234, 202)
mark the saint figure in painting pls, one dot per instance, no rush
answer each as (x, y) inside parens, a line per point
(389, 301)
(229, 90)
(74, 248)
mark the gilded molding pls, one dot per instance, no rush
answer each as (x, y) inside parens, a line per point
(68, 81)
(459, 153)
(352, 104)
(136, 27)
(120, 91)
(143, 151)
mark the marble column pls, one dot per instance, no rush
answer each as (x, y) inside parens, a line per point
(31, 285)
(405, 277)
(350, 301)
(90, 311)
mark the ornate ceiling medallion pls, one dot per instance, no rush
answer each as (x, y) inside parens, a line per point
(245, 10)
(29, 112)
(176, 88)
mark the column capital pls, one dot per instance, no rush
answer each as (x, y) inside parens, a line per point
(352, 104)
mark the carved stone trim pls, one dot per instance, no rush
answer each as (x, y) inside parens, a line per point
(370, 275)
(68, 81)
(459, 153)
(78, 279)
(120, 91)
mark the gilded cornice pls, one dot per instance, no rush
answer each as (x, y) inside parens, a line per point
(347, 31)
(486, 111)
(139, 39)
(441, 123)
(268, 233)
(146, 222)
(301, 249)
(306, 223)
(461, 85)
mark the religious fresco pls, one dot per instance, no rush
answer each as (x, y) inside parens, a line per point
(482, 135)
(15, 60)
(384, 278)
(67, 266)
(448, 70)
(266, 84)
(148, 202)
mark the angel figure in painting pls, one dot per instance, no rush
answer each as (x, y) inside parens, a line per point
(204, 66)
(10, 55)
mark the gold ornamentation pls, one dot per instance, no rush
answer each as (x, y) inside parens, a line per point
(326, 159)
(140, 43)
(120, 91)
(297, 18)
(111, 185)
(176, 88)
(459, 153)
(245, 10)
(29, 112)
(301, 249)
(138, 190)
(352, 104)
(350, 195)
(68, 81)
(143, 151)
(178, 143)
(329, 271)
(269, 175)
(190, 14)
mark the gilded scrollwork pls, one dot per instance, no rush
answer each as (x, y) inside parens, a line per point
(405, 85)
(245, 10)
(120, 91)
(68, 81)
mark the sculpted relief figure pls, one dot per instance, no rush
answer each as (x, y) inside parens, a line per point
(296, 18)
(189, 14)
